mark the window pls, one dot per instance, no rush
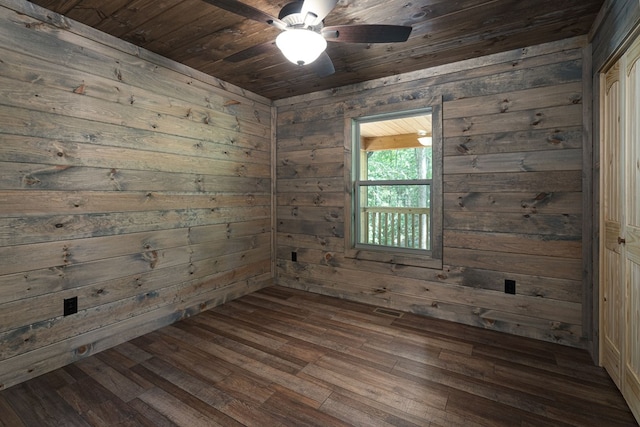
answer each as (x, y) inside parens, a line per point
(396, 187)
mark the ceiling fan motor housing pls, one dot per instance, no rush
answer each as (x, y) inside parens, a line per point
(290, 14)
(289, 9)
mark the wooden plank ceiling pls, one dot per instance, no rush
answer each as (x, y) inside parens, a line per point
(201, 35)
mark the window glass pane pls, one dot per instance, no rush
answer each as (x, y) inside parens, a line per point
(400, 164)
(396, 216)
(394, 162)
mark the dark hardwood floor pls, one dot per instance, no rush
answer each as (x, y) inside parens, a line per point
(281, 357)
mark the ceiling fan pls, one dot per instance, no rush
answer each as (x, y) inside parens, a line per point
(304, 37)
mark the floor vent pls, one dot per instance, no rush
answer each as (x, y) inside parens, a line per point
(388, 312)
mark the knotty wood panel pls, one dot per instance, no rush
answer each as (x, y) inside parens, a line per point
(616, 21)
(136, 185)
(201, 35)
(512, 193)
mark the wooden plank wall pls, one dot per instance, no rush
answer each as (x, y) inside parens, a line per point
(133, 183)
(613, 31)
(513, 138)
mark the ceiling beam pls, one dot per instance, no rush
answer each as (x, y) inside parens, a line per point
(392, 142)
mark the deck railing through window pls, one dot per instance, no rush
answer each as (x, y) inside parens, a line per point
(397, 227)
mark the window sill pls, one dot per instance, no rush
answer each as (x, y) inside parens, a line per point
(392, 257)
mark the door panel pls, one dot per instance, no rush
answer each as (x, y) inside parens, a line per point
(631, 380)
(612, 335)
(611, 274)
(631, 232)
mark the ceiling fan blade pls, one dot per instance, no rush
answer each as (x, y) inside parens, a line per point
(318, 8)
(247, 11)
(250, 52)
(367, 33)
(323, 66)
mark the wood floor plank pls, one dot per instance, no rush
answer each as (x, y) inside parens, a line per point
(436, 417)
(132, 352)
(242, 412)
(291, 325)
(546, 408)
(384, 396)
(246, 387)
(192, 360)
(385, 381)
(220, 325)
(603, 406)
(285, 357)
(255, 354)
(117, 413)
(484, 411)
(285, 379)
(84, 395)
(384, 331)
(39, 405)
(458, 382)
(178, 405)
(119, 384)
(291, 408)
(354, 412)
(176, 410)
(156, 418)
(9, 417)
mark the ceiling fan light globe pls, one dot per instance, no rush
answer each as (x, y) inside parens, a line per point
(301, 46)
